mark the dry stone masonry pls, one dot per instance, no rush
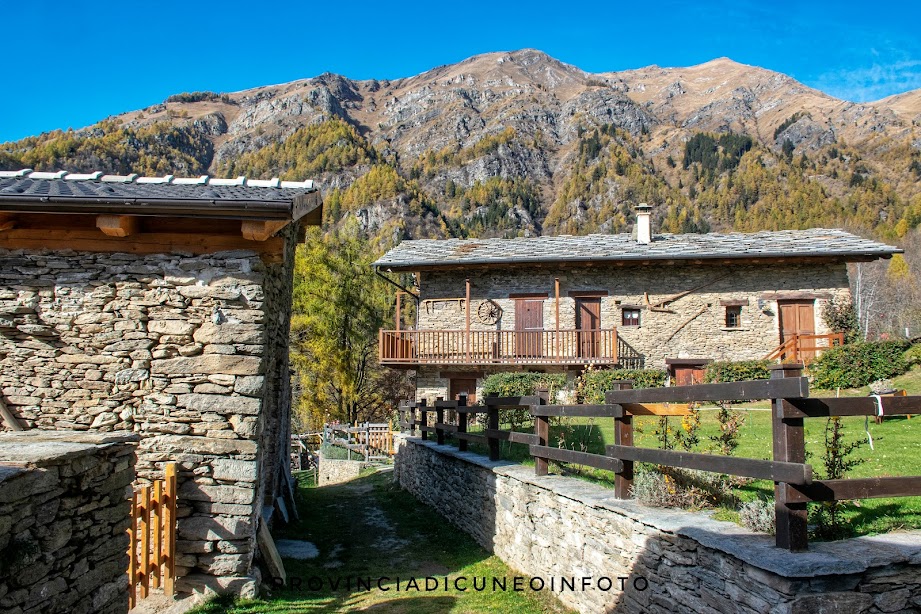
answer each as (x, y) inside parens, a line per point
(64, 516)
(187, 351)
(696, 328)
(671, 561)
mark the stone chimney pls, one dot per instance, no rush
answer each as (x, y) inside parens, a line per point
(643, 230)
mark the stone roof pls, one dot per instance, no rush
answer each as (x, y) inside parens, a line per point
(27, 190)
(815, 242)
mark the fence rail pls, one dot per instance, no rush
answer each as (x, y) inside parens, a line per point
(794, 484)
(152, 537)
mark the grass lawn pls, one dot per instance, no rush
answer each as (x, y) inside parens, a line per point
(897, 443)
(369, 528)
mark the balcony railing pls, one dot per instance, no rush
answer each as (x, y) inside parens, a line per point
(805, 348)
(486, 347)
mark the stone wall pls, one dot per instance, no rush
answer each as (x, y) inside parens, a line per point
(336, 471)
(190, 352)
(64, 516)
(660, 335)
(554, 527)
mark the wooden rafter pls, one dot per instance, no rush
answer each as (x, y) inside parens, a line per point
(117, 225)
(261, 230)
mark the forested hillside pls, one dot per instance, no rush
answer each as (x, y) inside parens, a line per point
(519, 143)
(509, 144)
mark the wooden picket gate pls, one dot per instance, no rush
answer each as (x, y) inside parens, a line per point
(152, 537)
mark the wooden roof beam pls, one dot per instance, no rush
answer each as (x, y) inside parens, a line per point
(7, 222)
(117, 225)
(261, 230)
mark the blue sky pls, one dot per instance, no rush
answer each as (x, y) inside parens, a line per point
(72, 64)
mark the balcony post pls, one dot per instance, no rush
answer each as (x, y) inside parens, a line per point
(397, 314)
(467, 315)
(556, 285)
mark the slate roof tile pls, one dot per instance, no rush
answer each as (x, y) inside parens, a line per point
(814, 242)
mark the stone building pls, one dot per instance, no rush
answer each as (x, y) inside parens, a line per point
(658, 301)
(160, 305)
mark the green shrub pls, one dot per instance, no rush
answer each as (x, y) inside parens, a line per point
(912, 356)
(522, 384)
(840, 316)
(743, 370)
(857, 364)
(594, 383)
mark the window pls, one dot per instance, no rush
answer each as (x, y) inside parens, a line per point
(630, 316)
(734, 316)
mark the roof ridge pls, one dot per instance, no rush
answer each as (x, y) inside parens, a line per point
(274, 182)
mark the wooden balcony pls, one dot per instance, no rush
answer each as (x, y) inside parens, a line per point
(498, 347)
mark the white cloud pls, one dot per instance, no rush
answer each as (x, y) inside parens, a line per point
(871, 83)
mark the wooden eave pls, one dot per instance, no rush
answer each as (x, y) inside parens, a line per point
(152, 226)
(141, 234)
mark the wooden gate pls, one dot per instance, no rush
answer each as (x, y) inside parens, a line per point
(152, 537)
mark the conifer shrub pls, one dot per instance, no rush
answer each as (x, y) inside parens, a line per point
(759, 515)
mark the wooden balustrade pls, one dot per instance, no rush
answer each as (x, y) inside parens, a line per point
(804, 348)
(486, 347)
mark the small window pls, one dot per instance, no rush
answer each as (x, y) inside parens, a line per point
(630, 317)
(734, 316)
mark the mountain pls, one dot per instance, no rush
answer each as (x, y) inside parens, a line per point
(521, 143)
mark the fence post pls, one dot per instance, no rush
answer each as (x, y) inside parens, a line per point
(542, 430)
(461, 422)
(423, 419)
(623, 436)
(439, 420)
(492, 422)
(789, 446)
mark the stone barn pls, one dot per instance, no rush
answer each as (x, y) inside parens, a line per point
(160, 305)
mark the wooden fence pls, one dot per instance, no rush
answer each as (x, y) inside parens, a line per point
(794, 486)
(371, 440)
(152, 537)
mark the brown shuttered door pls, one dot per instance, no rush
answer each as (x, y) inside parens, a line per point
(588, 322)
(529, 316)
(464, 386)
(798, 318)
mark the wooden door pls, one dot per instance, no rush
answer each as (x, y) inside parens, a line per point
(529, 325)
(588, 323)
(797, 318)
(463, 386)
(688, 375)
